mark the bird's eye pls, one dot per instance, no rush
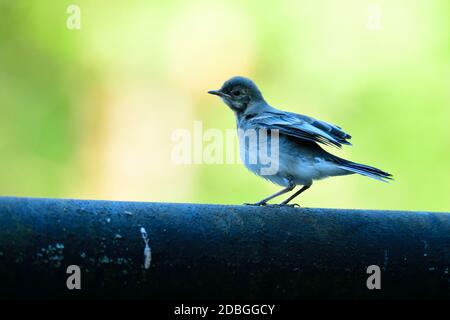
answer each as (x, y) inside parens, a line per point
(236, 93)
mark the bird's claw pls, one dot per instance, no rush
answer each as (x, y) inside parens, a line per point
(257, 204)
(292, 205)
(264, 204)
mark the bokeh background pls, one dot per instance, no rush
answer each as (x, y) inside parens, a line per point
(90, 113)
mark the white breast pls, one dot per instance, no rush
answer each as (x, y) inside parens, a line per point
(291, 165)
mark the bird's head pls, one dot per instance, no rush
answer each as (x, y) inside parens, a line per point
(238, 93)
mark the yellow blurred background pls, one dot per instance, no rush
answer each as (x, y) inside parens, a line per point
(89, 112)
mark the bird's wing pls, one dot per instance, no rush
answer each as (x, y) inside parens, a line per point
(303, 127)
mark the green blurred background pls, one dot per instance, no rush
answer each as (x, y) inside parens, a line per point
(89, 113)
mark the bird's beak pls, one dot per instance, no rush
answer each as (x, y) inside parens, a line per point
(219, 93)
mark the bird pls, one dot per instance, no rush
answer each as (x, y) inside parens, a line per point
(301, 159)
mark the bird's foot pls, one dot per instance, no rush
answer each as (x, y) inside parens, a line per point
(293, 205)
(257, 204)
(265, 204)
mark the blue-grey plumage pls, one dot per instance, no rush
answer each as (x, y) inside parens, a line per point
(301, 160)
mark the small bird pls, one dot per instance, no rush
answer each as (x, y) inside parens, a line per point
(301, 160)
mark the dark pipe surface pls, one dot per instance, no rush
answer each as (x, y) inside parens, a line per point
(218, 251)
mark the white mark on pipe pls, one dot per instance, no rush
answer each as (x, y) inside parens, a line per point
(147, 250)
(425, 248)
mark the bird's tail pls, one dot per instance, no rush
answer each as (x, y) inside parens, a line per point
(364, 170)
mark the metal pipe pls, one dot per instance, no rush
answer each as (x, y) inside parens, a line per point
(197, 251)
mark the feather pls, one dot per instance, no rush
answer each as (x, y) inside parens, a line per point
(303, 127)
(365, 170)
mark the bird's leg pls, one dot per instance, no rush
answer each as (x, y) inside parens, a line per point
(279, 193)
(285, 202)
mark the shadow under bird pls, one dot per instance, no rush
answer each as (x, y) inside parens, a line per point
(301, 160)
